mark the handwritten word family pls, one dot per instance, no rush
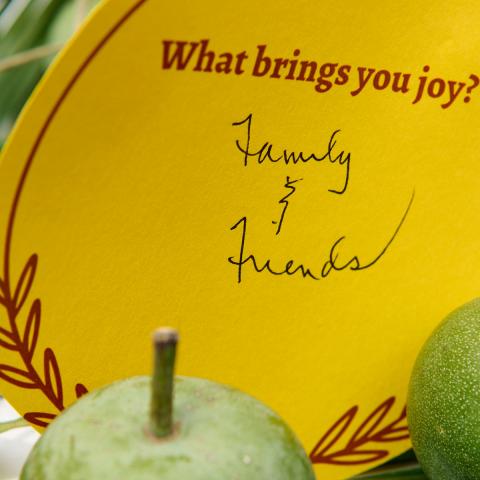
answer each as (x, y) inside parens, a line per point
(199, 56)
(267, 152)
(335, 261)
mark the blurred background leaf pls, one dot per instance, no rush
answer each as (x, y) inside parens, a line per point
(403, 467)
(31, 33)
(10, 425)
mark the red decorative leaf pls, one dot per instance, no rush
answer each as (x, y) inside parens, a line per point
(6, 340)
(370, 424)
(53, 379)
(32, 328)
(6, 333)
(39, 418)
(80, 390)
(17, 377)
(393, 435)
(333, 434)
(7, 345)
(25, 282)
(2, 286)
(357, 457)
(351, 451)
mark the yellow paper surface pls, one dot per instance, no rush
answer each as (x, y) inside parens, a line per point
(309, 284)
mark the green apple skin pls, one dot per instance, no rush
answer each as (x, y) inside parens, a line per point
(220, 434)
(443, 406)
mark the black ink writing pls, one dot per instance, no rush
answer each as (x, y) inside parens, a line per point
(291, 268)
(284, 201)
(267, 153)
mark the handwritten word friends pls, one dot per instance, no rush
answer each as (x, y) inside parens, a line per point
(333, 263)
(200, 57)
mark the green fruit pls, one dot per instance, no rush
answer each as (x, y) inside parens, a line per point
(443, 404)
(125, 432)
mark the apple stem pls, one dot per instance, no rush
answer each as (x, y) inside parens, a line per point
(165, 346)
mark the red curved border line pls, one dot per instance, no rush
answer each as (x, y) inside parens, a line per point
(44, 129)
(13, 297)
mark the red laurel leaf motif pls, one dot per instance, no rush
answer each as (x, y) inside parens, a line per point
(16, 376)
(370, 424)
(7, 345)
(32, 329)
(5, 332)
(6, 340)
(39, 419)
(25, 282)
(335, 432)
(358, 457)
(53, 379)
(80, 390)
(395, 435)
(370, 431)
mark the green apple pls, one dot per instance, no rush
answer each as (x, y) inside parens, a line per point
(132, 430)
(443, 406)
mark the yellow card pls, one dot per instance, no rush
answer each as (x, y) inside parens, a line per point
(294, 186)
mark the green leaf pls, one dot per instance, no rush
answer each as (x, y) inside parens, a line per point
(25, 25)
(413, 472)
(3, 5)
(403, 467)
(17, 423)
(16, 86)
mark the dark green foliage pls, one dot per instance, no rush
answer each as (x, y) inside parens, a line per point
(26, 26)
